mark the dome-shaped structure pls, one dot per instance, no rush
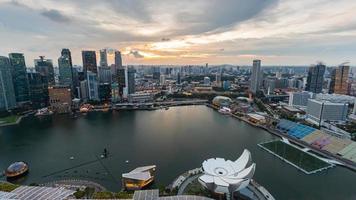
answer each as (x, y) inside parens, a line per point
(222, 101)
(16, 169)
(225, 176)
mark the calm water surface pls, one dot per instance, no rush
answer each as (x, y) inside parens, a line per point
(175, 140)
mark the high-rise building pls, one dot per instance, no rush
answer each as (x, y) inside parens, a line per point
(65, 71)
(178, 78)
(255, 76)
(118, 60)
(66, 53)
(84, 90)
(162, 79)
(92, 86)
(7, 93)
(315, 78)
(339, 80)
(218, 79)
(117, 65)
(19, 77)
(89, 62)
(121, 80)
(103, 58)
(299, 98)
(60, 99)
(104, 74)
(156, 74)
(131, 80)
(45, 68)
(38, 84)
(104, 90)
(319, 111)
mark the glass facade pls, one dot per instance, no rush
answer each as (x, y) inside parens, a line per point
(7, 94)
(19, 77)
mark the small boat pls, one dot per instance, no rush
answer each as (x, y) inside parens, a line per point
(127, 161)
(72, 157)
(225, 111)
(43, 112)
(16, 170)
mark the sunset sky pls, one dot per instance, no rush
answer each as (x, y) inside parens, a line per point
(280, 32)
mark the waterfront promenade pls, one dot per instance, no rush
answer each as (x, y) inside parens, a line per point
(344, 162)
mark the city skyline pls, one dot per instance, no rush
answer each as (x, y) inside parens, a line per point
(184, 32)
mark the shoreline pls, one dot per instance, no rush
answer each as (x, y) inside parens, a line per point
(345, 163)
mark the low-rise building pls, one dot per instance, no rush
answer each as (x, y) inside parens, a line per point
(140, 97)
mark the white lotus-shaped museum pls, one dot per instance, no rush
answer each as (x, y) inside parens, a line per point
(225, 176)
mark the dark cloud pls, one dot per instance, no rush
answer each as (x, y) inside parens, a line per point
(136, 54)
(220, 14)
(165, 39)
(55, 15)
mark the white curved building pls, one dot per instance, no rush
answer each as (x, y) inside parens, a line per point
(225, 176)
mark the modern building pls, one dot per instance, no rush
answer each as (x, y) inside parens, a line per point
(130, 80)
(225, 176)
(118, 60)
(121, 80)
(320, 111)
(218, 79)
(156, 74)
(93, 93)
(103, 58)
(38, 84)
(84, 96)
(104, 74)
(65, 71)
(89, 62)
(45, 68)
(60, 99)
(315, 78)
(255, 80)
(7, 93)
(139, 177)
(140, 97)
(162, 79)
(299, 98)
(207, 81)
(339, 80)
(67, 53)
(115, 95)
(104, 90)
(222, 101)
(19, 77)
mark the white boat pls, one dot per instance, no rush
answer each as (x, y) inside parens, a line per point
(225, 110)
(43, 112)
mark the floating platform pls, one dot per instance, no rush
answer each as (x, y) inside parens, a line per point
(291, 154)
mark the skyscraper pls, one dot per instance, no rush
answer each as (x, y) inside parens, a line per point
(89, 62)
(131, 80)
(339, 80)
(45, 68)
(255, 76)
(65, 71)
(121, 74)
(19, 77)
(92, 86)
(7, 93)
(315, 78)
(38, 84)
(103, 58)
(117, 65)
(104, 74)
(118, 60)
(66, 53)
